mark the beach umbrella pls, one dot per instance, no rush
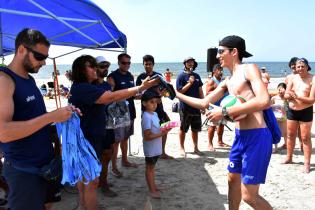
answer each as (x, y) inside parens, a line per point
(75, 23)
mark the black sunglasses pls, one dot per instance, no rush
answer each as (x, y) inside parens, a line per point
(125, 63)
(38, 56)
(103, 66)
(221, 50)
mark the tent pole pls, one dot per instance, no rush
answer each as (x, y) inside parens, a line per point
(56, 85)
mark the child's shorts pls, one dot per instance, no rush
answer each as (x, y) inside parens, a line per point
(151, 160)
(250, 154)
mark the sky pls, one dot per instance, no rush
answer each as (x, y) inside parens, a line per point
(170, 30)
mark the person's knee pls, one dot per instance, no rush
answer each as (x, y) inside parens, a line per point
(249, 199)
(93, 185)
(234, 179)
(291, 135)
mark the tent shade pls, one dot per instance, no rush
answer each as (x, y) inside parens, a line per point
(76, 23)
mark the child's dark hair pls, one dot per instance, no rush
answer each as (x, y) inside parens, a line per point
(283, 85)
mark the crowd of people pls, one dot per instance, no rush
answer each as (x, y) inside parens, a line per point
(105, 104)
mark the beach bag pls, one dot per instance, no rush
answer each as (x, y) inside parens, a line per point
(118, 115)
(272, 125)
(175, 107)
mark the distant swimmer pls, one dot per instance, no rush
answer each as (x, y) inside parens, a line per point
(300, 93)
(168, 75)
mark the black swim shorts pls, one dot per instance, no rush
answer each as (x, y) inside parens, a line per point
(303, 115)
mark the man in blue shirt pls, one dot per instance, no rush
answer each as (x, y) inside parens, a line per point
(24, 123)
(148, 63)
(189, 83)
(122, 79)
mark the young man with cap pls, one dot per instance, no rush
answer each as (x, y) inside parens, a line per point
(189, 83)
(212, 84)
(300, 93)
(252, 147)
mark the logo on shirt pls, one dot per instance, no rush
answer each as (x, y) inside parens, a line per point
(30, 98)
(231, 164)
(122, 83)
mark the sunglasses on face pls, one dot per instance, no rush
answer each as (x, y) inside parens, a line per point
(125, 63)
(221, 50)
(103, 66)
(38, 56)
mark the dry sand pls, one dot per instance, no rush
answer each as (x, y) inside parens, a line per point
(200, 182)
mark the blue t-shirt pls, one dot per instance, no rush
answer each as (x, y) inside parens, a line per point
(124, 81)
(93, 119)
(36, 149)
(193, 91)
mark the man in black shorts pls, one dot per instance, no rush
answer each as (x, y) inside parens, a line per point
(189, 83)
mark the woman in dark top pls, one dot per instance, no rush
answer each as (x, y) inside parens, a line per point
(91, 99)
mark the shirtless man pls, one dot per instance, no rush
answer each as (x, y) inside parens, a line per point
(212, 84)
(292, 67)
(252, 147)
(301, 95)
(265, 76)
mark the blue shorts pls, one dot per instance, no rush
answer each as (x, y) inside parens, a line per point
(250, 154)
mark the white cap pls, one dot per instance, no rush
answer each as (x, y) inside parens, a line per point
(100, 59)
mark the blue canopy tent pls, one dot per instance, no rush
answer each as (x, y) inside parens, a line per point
(76, 23)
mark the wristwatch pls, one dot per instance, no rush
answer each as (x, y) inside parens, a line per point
(226, 114)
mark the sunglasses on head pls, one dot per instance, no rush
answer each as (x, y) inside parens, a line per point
(38, 56)
(125, 63)
(221, 50)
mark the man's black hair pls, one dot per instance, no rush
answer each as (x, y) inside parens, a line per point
(120, 56)
(293, 61)
(147, 58)
(29, 38)
(78, 74)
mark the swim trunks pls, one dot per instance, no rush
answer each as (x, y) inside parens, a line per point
(250, 154)
(303, 115)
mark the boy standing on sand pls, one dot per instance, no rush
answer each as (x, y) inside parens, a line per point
(152, 138)
(252, 147)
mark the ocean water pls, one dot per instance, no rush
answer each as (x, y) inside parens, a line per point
(275, 69)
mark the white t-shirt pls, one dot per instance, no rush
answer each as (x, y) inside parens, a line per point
(150, 121)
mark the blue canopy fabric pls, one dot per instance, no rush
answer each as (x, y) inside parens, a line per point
(76, 23)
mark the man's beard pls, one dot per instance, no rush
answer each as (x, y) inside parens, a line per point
(103, 74)
(28, 66)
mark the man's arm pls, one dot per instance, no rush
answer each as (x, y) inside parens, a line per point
(111, 81)
(15, 130)
(109, 97)
(205, 102)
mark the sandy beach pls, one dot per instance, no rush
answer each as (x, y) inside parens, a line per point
(199, 182)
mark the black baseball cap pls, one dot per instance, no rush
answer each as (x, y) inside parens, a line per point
(304, 60)
(149, 94)
(235, 42)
